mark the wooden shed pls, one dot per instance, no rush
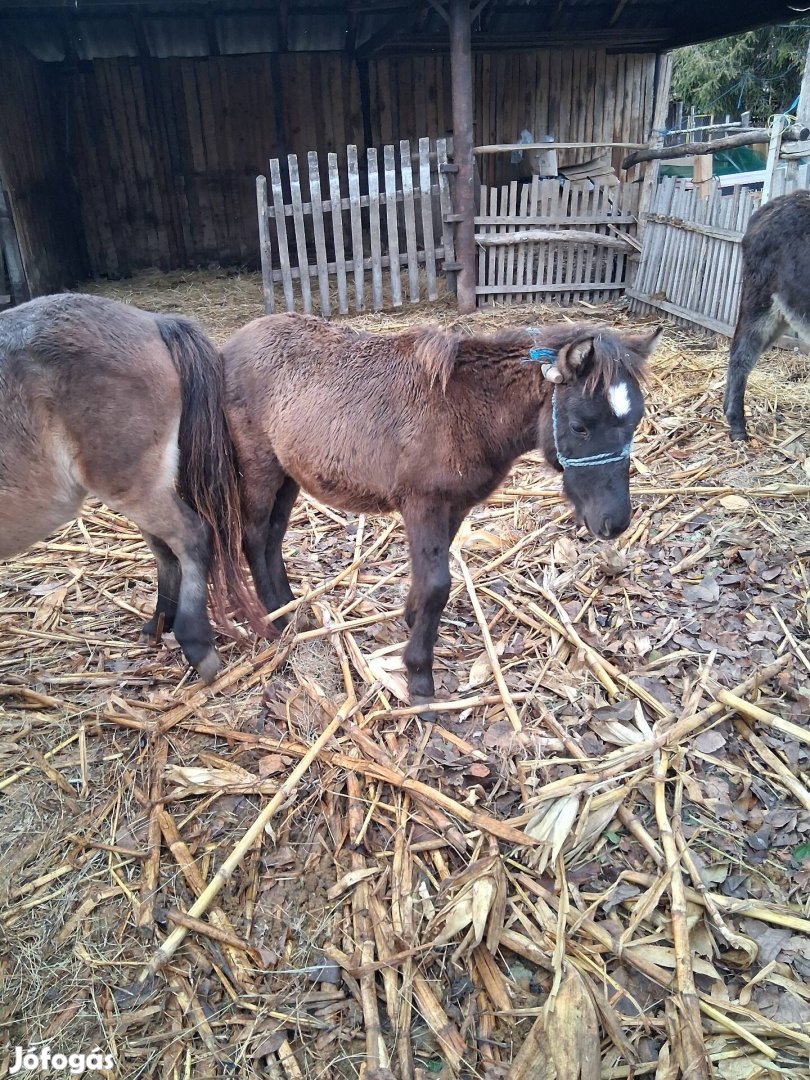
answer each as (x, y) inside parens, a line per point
(132, 131)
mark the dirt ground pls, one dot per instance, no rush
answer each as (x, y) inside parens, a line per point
(593, 863)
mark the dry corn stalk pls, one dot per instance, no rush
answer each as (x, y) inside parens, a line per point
(476, 906)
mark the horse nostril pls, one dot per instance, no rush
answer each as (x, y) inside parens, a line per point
(607, 527)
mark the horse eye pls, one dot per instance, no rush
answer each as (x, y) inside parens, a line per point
(578, 429)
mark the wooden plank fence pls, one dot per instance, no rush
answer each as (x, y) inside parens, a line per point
(691, 262)
(368, 230)
(553, 239)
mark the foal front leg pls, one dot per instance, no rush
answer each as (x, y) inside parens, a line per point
(428, 529)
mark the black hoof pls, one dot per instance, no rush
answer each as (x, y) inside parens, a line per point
(739, 435)
(203, 657)
(419, 700)
(149, 630)
(208, 668)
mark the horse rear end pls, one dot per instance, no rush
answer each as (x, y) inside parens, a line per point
(103, 399)
(775, 293)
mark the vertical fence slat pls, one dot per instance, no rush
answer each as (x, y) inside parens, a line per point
(281, 234)
(426, 200)
(720, 257)
(520, 269)
(593, 200)
(534, 202)
(565, 252)
(511, 297)
(447, 209)
(374, 228)
(265, 248)
(337, 233)
(300, 233)
(410, 219)
(391, 221)
(317, 227)
(492, 251)
(482, 248)
(357, 228)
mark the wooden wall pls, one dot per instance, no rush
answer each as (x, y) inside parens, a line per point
(163, 154)
(575, 94)
(34, 175)
(166, 152)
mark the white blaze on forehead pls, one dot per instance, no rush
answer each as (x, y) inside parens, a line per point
(619, 397)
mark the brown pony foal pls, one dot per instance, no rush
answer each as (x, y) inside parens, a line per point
(100, 398)
(427, 423)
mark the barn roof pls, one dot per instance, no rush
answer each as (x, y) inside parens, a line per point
(88, 29)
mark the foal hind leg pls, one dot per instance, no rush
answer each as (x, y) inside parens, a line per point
(758, 327)
(428, 529)
(262, 484)
(168, 579)
(276, 529)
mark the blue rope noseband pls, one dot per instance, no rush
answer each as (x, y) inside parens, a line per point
(546, 357)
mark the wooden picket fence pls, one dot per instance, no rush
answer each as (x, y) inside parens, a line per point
(691, 260)
(553, 239)
(350, 249)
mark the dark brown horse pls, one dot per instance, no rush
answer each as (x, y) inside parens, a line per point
(775, 293)
(427, 423)
(103, 399)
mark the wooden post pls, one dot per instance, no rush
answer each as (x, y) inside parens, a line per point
(10, 251)
(649, 183)
(778, 124)
(461, 76)
(803, 110)
(702, 172)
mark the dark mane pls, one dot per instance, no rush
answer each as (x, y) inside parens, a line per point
(434, 349)
(612, 357)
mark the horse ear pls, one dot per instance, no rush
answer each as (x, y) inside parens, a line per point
(646, 344)
(572, 358)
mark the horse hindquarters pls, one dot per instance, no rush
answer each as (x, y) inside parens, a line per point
(39, 487)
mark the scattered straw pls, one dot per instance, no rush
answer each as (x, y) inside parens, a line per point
(593, 861)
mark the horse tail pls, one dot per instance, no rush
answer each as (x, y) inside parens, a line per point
(208, 473)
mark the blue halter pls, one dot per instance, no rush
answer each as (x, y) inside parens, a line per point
(546, 357)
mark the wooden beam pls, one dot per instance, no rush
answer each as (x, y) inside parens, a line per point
(702, 172)
(10, 251)
(552, 236)
(506, 148)
(742, 138)
(439, 9)
(393, 26)
(617, 12)
(462, 90)
(803, 110)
